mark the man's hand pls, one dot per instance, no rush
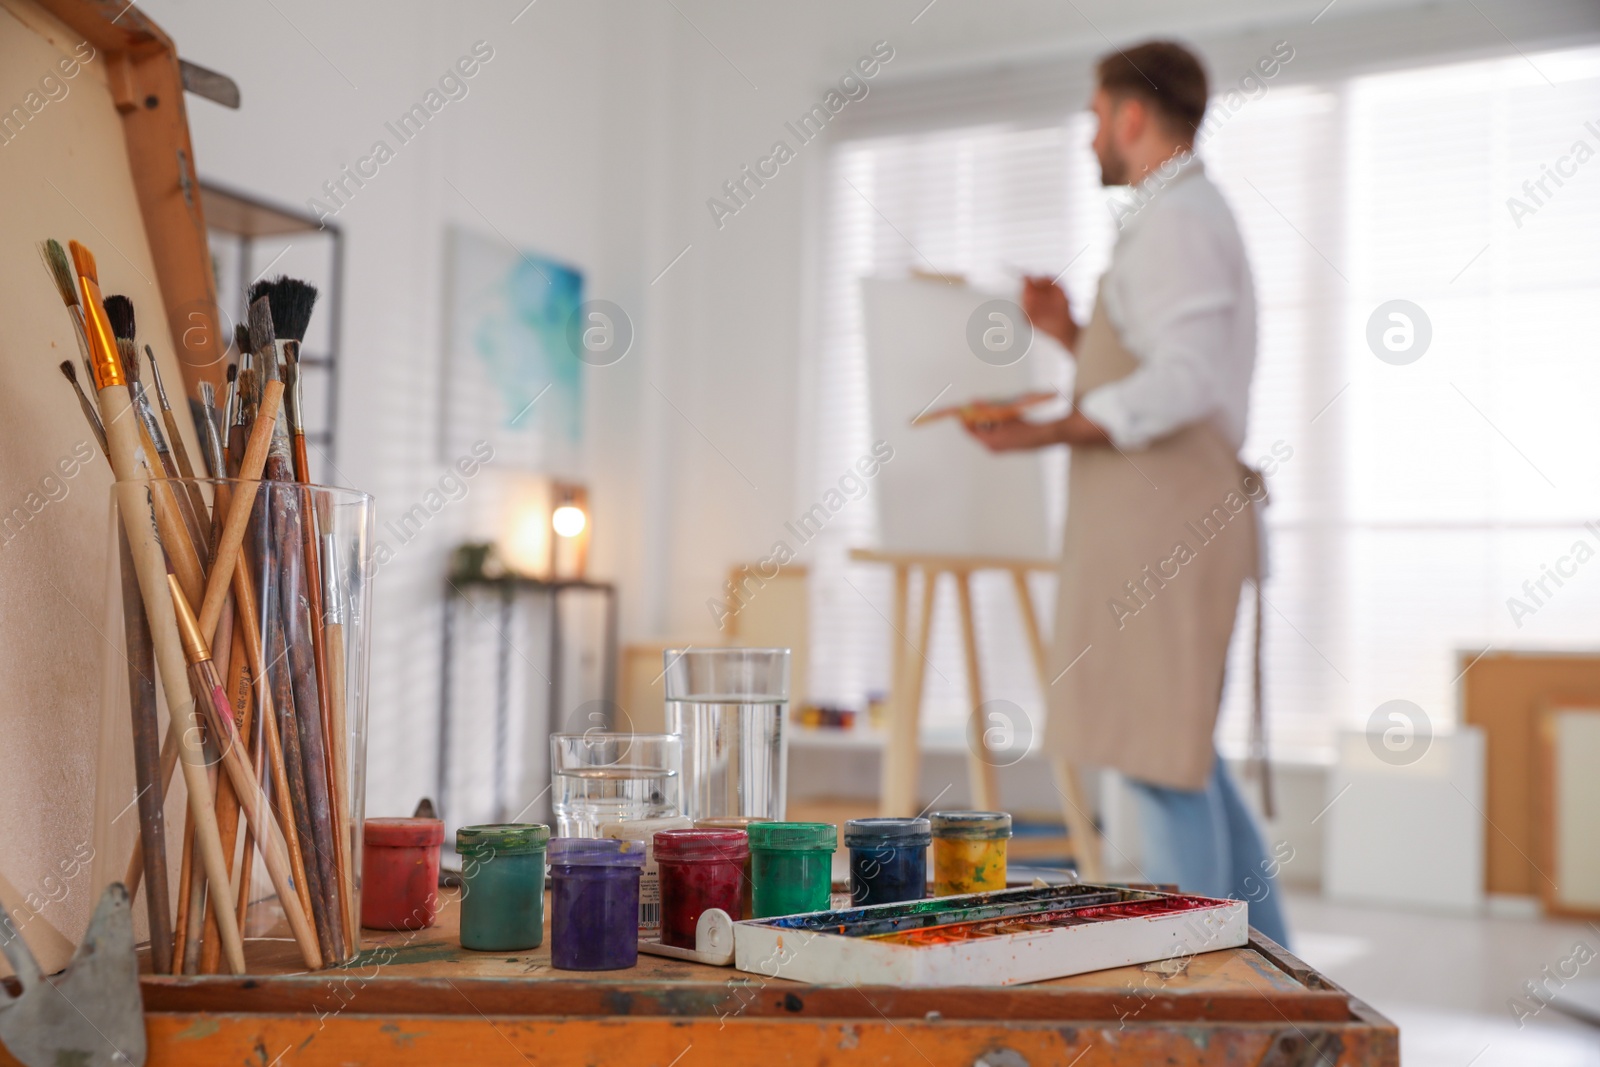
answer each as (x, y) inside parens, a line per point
(1013, 435)
(1045, 304)
(1017, 435)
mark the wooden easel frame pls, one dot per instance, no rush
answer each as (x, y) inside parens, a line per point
(902, 756)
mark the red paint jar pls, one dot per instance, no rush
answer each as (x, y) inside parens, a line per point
(700, 869)
(400, 873)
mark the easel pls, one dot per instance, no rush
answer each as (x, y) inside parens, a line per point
(902, 756)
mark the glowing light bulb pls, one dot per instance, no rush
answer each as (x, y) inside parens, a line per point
(568, 520)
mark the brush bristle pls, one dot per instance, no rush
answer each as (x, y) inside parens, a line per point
(70, 371)
(241, 337)
(292, 302)
(130, 359)
(83, 262)
(55, 258)
(208, 395)
(233, 373)
(119, 309)
(261, 333)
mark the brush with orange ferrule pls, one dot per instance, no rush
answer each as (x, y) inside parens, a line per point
(219, 718)
(138, 519)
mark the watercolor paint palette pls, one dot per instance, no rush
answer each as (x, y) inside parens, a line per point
(1005, 937)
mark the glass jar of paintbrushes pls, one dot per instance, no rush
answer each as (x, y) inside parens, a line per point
(233, 727)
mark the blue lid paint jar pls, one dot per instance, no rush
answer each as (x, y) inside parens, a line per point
(888, 859)
(594, 903)
(502, 886)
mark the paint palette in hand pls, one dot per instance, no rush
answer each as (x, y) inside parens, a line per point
(1002, 938)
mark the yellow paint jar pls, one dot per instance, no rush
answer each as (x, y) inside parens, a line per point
(969, 851)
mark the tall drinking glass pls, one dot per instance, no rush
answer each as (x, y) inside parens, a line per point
(603, 777)
(730, 706)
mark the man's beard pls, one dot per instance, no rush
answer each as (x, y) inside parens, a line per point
(1113, 168)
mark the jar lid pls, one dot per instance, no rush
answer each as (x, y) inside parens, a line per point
(794, 836)
(502, 839)
(643, 829)
(971, 825)
(691, 846)
(864, 833)
(403, 831)
(595, 852)
(728, 822)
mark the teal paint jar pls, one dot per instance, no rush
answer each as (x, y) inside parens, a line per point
(502, 886)
(791, 864)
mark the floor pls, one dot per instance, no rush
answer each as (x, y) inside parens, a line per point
(1448, 981)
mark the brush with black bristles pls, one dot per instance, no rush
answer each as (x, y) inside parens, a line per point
(89, 412)
(288, 535)
(191, 504)
(60, 268)
(291, 302)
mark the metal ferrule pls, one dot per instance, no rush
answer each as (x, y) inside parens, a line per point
(290, 353)
(332, 588)
(105, 366)
(194, 645)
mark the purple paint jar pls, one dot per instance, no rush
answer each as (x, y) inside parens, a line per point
(594, 903)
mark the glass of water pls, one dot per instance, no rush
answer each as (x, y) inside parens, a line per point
(600, 777)
(730, 706)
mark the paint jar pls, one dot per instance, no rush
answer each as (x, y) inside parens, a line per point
(643, 832)
(792, 866)
(747, 908)
(700, 869)
(969, 851)
(731, 707)
(400, 873)
(594, 903)
(888, 859)
(502, 886)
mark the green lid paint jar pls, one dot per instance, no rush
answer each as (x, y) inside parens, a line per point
(969, 851)
(502, 886)
(791, 864)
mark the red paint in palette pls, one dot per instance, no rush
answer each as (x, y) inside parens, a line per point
(1045, 920)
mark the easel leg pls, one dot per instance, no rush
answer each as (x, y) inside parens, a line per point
(980, 766)
(1086, 844)
(902, 756)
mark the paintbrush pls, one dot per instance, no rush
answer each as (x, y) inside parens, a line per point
(119, 310)
(219, 719)
(291, 302)
(60, 268)
(122, 437)
(140, 654)
(89, 413)
(289, 536)
(180, 451)
(333, 603)
(216, 466)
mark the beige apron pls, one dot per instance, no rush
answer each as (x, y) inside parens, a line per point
(1157, 544)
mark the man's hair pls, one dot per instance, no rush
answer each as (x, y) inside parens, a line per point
(1163, 74)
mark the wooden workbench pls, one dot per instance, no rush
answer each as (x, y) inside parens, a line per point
(421, 999)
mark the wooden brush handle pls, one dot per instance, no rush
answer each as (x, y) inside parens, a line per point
(254, 804)
(147, 762)
(122, 434)
(244, 498)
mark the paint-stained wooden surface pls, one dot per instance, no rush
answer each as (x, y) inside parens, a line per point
(414, 999)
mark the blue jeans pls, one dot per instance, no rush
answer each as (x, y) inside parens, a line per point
(1207, 842)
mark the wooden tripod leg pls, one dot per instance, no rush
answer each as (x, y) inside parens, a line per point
(902, 752)
(980, 764)
(1086, 843)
